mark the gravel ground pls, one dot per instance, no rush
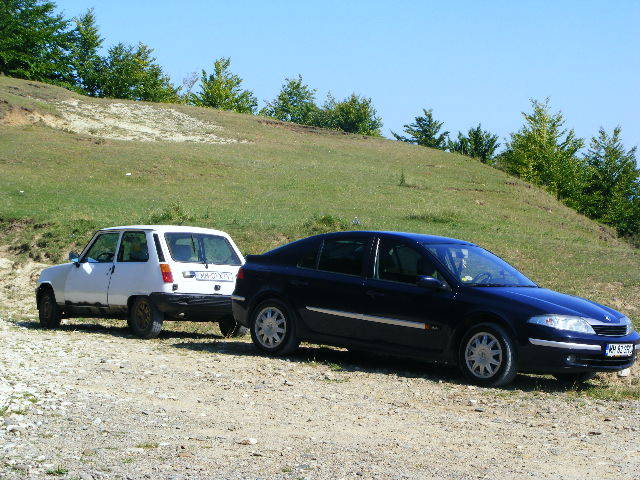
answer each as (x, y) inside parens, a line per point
(89, 401)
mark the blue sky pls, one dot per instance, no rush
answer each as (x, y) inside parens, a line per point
(471, 61)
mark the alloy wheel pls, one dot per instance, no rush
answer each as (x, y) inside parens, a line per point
(483, 355)
(270, 327)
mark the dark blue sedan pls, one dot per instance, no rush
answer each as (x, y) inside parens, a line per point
(427, 297)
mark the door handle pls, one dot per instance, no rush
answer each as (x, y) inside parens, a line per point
(374, 293)
(299, 283)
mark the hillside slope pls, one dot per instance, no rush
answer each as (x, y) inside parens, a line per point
(65, 162)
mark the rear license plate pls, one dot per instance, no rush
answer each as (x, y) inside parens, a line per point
(619, 350)
(215, 276)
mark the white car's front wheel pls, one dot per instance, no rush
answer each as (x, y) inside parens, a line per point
(48, 311)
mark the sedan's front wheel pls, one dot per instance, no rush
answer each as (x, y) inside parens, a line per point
(487, 356)
(273, 328)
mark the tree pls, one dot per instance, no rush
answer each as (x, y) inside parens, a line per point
(425, 131)
(85, 59)
(612, 188)
(222, 89)
(295, 102)
(543, 152)
(354, 114)
(34, 41)
(478, 143)
(131, 73)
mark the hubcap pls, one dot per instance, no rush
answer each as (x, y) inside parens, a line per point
(143, 315)
(270, 327)
(483, 355)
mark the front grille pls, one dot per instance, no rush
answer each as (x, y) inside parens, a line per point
(610, 330)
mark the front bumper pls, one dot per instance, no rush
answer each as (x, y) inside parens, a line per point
(192, 306)
(567, 355)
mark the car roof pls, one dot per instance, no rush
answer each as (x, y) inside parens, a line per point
(416, 237)
(167, 228)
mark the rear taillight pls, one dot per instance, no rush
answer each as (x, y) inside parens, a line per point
(240, 274)
(167, 276)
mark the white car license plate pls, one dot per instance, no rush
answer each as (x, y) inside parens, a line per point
(215, 276)
(619, 350)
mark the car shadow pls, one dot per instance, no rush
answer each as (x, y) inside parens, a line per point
(123, 331)
(342, 361)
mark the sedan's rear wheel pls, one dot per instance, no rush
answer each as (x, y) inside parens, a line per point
(144, 319)
(487, 355)
(273, 328)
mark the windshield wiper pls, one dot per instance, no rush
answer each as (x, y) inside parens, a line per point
(201, 255)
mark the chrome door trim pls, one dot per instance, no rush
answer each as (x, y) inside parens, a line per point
(369, 318)
(238, 298)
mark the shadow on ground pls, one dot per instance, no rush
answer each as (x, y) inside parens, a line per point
(121, 330)
(342, 362)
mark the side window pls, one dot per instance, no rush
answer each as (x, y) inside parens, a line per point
(343, 256)
(133, 247)
(308, 255)
(103, 249)
(398, 262)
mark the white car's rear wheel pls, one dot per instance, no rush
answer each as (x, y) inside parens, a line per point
(144, 319)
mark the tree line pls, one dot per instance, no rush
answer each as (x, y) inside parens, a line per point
(603, 183)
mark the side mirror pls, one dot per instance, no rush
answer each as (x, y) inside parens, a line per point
(74, 258)
(431, 283)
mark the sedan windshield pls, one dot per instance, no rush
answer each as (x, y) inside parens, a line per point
(475, 266)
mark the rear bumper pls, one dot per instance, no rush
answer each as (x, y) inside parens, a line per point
(192, 306)
(239, 307)
(554, 356)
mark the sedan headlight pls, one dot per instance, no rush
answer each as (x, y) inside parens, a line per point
(563, 322)
(626, 321)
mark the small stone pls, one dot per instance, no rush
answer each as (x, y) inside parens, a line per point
(248, 441)
(472, 402)
(288, 383)
(595, 433)
(624, 373)
(478, 410)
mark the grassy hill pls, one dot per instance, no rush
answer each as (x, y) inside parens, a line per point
(65, 159)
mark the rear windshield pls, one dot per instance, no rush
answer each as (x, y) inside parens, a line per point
(201, 248)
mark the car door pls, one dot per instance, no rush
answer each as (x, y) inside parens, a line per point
(132, 268)
(88, 283)
(399, 311)
(333, 293)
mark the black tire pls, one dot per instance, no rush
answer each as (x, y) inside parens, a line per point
(574, 378)
(49, 312)
(230, 328)
(144, 319)
(284, 319)
(490, 369)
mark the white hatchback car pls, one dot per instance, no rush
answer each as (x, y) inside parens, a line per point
(145, 273)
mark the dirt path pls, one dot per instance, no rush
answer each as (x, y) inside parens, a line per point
(90, 401)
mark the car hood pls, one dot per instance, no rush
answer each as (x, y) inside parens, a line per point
(542, 300)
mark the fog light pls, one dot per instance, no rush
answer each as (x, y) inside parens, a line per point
(571, 359)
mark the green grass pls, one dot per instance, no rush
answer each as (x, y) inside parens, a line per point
(286, 183)
(58, 471)
(147, 445)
